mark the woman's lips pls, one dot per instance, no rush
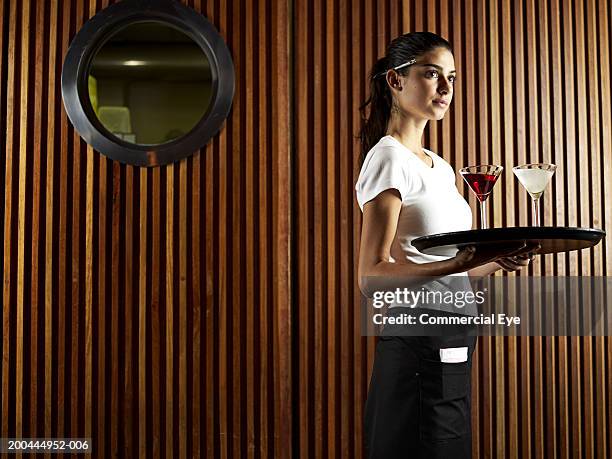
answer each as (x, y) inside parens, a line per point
(440, 102)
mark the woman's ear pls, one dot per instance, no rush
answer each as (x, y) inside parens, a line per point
(394, 81)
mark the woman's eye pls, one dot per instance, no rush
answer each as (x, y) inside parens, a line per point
(434, 74)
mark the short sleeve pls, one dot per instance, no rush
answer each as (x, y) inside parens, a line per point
(385, 168)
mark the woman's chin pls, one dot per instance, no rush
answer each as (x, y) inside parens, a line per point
(437, 113)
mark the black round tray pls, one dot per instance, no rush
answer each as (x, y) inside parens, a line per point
(553, 239)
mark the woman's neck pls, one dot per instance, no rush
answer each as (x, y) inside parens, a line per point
(409, 131)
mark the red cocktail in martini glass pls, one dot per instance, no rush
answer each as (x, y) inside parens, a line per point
(481, 180)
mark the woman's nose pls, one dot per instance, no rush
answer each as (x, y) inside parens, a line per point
(444, 87)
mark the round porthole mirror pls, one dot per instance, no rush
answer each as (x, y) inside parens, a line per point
(147, 82)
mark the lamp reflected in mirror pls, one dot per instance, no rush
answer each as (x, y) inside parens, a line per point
(149, 84)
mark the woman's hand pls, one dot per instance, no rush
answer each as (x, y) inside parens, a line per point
(511, 264)
(509, 259)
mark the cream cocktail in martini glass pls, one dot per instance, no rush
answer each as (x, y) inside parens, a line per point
(535, 178)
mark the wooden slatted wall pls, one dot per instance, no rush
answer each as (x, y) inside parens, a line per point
(147, 309)
(533, 86)
(150, 309)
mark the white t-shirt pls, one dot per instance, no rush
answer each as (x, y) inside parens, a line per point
(431, 202)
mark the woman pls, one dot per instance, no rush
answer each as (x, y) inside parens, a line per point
(418, 401)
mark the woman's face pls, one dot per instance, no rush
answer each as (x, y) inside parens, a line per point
(427, 90)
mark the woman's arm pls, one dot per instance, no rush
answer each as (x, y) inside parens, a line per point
(380, 217)
(484, 270)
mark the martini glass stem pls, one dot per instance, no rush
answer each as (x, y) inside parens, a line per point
(483, 215)
(535, 211)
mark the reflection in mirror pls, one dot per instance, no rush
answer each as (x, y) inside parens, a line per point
(150, 84)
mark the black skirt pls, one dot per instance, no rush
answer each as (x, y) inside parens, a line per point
(418, 406)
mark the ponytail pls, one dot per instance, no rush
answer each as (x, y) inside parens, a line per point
(379, 102)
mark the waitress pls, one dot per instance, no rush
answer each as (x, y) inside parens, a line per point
(418, 403)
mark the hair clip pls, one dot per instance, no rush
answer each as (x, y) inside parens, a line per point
(405, 64)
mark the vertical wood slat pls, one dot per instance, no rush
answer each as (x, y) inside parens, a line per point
(224, 318)
(250, 184)
(89, 287)
(330, 298)
(113, 349)
(235, 240)
(75, 286)
(128, 318)
(210, 402)
(197, 381)
(544, 51)
(20, 294)
(282, 229)
(39, 12)
(193, 259)
(101, 331)
(169, 310)
(305, 409)
(2, 177)
(8, 215)
(49, 213)
(562, 411)
(224, 358)
(359, 380)
(155, 343)
(345, 259)
(513, 358)
(266, 436)
(603, 397)
(319, 233)
(485, 72)
(182, 329)
(143, 413)
(89, 280)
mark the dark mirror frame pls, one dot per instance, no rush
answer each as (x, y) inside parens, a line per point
(96, 32)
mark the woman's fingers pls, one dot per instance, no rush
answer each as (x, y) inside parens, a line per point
(529, 250)
(510, 259)
(508, 265)
(520, 258)
(466, 253)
